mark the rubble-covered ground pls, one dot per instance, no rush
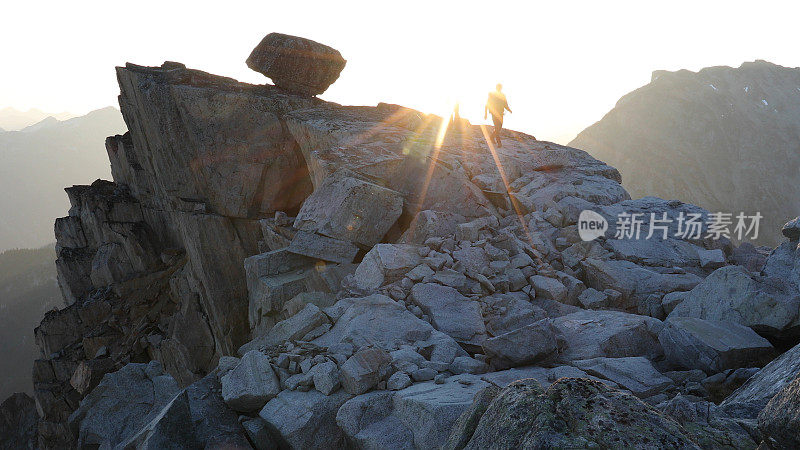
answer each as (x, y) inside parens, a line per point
(270, 270)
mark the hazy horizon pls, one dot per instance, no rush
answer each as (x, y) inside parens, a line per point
(562, 71)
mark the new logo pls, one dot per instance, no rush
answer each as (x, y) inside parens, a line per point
(591, 225)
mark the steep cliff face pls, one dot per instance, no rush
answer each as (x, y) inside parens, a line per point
(723, 138)
(151, 265)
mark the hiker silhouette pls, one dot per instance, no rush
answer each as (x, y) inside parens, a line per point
(496, 105)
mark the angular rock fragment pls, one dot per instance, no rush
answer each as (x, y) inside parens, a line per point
(251, 383)
(364, 370)
(593, 299)
(634, 373)
(529, 344)
(290, 329)
(792, 229)
(507, 312)
(711, 259)
(326, 377)
(385, 263)
(752, 397)
(89, 373)
(306, 419)
(613, 334)
(713, 346)
(779, 421)
(419, 416)
(398, 380)
(350, 209)
(321, 247)
(123, 403)
(548, 288)
(451, 312)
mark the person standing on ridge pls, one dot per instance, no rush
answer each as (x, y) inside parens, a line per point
(497, 105)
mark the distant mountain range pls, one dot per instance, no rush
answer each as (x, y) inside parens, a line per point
(28, 289)
(727, 139)
(38, 161)
(13, 119)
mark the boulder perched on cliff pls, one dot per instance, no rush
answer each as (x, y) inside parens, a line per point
(572, 413)
(296, 64)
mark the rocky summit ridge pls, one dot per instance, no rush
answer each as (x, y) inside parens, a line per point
(270, 270)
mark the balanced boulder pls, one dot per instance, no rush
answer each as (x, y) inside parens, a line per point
(296, 64)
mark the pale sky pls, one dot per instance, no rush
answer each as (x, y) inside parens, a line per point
(564, 64)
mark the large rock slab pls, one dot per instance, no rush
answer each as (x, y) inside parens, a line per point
(196, 418)
(304, 420)
(779, 421)
(123, 403)
(427, 224)
(753, 395)
(384, 264)
(707, 425)
(545, 187)
(525, 345)
(203, 153)
(276, 277)
(362, 371)
(451, 312)
(713, 346)
(296, 64)
(393, 145)
(635, 282)
(769, 305)
(381, 322)
(350, 209)
(419, 416)
(507, 312)
(634, 373)
(251, 383)
(317, 246)
(613, 334)
(571, 413)
(291, 329)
